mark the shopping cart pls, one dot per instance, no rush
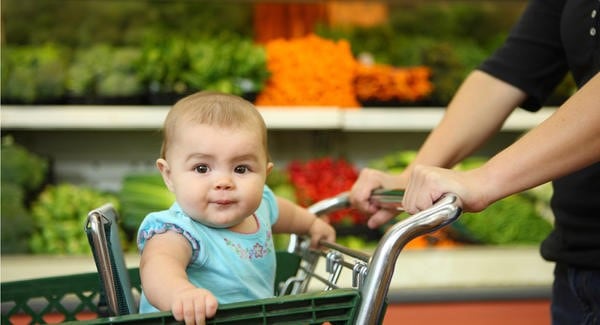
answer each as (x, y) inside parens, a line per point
(305, 295)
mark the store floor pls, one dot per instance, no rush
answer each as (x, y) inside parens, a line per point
(525, 312)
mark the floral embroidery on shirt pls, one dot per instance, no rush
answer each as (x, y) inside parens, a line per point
(258, 250)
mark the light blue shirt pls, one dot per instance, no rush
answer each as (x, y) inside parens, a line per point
(233, 266)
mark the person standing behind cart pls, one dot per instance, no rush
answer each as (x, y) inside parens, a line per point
(214, 245)
(552, 38)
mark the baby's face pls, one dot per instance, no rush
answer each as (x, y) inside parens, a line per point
(217, 174)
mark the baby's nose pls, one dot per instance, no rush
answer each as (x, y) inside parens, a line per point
(224, 183)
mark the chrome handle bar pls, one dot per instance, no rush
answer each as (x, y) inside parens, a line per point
(382, 264)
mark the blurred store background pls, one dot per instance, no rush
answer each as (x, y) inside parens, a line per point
(342, 85)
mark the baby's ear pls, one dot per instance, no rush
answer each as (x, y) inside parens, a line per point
(270, 166)
(165, 172)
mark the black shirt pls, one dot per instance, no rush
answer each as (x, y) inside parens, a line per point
(552, 38)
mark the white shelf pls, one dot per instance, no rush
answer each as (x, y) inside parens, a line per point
(385, 119)
(308, 118)
(79, 117)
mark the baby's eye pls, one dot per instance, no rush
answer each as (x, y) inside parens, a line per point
(201, 169)
(241, 169)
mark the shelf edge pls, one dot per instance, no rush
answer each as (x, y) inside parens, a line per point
(277, 118)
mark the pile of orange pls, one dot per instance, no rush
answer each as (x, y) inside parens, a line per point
(309, 71)
(380, 82)
(313, 71)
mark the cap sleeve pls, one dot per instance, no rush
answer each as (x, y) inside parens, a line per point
(161, 222)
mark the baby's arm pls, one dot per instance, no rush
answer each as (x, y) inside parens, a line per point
(298, 220)
(165, 282)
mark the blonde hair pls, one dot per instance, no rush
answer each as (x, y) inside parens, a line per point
(213, 108)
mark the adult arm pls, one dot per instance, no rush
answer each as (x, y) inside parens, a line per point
(566, 142)
(477, 111)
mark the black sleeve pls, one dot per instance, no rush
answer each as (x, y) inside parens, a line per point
(532, 58)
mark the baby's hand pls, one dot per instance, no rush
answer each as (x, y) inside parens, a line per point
(320, 230)
(194, 305)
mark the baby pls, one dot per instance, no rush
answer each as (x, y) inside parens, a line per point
(214, 245)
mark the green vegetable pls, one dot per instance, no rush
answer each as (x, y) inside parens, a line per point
(121, 79)
(17, 224)
(356, 242)
(513, 220)
(396, 161)
(286, 191)
(162, 65)
(279, 182)
(21, 167)
(105, 71)
(141, 194)
(31, 74)
(87, 67)
(60, 213)
(23, 173)
(227, 63)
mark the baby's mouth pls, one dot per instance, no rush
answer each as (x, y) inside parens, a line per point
(223, 202)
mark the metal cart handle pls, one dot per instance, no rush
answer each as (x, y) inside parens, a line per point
(381, 267)
(388, 199)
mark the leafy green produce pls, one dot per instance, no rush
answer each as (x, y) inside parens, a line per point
(21, 167)
(227, 63)
(121, 79)
(33, 73)
(141, 194)
(279, 182)
(60, 214)
(223, 62)
(512, 220)
(23, 173)
(105, 71)
(394, 162)
(17, 224)
(87, 65)
(82, 23)
(356, 242)
(162, 65)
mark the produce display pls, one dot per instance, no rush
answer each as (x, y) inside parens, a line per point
(322, 178)
(141, 194)
(309, 70)
(51, 222)
(33, 73)
(303, 71)
(103, 72)
(385, 83)
(226, 63)
(512, 220)
(23, 173)
(60, 213)
(115, 74)
(171, 49)
(417, 56)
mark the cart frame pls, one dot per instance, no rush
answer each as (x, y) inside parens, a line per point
(365, 303)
